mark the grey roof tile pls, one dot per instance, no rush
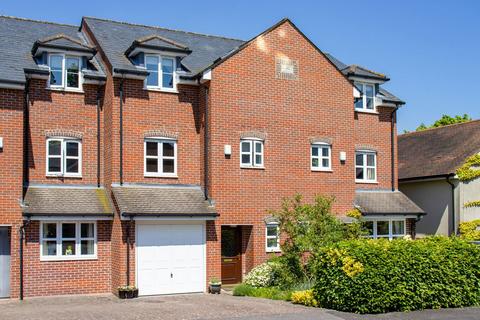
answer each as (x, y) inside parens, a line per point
(158, 200)
(66, 200)
(385, 203)
(437, 151)
(116, 37)
(17, 39)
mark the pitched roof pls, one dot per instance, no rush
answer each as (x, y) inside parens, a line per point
(116, 37)
(64, 41)
(437, 151)
(373, 202)
(19, 35)
(53, 200)
(162, 200)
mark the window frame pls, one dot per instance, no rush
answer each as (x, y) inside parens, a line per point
(160, 158)
(64, 84)
(160, 86)
(253, 142)
(320, 156)
(78, 241)
(365, 153)
(63, 158)
(364, 97)
(277, 237)
(390, 221)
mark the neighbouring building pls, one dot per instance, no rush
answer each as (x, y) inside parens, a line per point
(139, 155)
(428, 163)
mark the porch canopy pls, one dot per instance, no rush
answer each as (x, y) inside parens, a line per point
(162, 202)
(385, 202)
(57, 201)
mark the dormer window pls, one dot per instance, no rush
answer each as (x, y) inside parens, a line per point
(367, 101)
(64, 71)
(161, 72)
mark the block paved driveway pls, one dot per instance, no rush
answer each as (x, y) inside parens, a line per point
(194, 306)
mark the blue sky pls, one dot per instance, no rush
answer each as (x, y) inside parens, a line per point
(429, 49)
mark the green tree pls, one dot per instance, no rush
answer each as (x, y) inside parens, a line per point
(307, 228)
(445, 120)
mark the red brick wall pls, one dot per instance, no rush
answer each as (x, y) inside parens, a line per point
(11, 159)
(63, 111)
(66, 277)
(374, 130)
(246, 96)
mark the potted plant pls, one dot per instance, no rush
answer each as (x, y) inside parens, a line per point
(215, 286)
(127, 292)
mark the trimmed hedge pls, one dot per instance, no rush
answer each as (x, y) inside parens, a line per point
(375, 276)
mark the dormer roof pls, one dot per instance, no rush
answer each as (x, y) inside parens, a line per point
(19, 36)
(62, 42)
(157, 43)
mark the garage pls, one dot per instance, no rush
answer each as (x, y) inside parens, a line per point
(170, 258)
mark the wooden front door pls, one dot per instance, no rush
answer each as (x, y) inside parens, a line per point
(231, 255)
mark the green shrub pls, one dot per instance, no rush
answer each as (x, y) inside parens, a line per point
(469, 230)
(273, 293)
(262, 275)
(304, 297)
(374, 276)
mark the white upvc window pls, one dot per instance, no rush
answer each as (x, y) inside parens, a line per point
(272, 237)
(321, 159)
(65, 71)
(162, 74)
(64, 157)
(160, 157)
(386, 228)
(366, 166)
(251, 153)
(68, 240)
(367, 101)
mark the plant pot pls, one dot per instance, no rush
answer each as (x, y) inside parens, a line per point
(128, 294)
(215, 288)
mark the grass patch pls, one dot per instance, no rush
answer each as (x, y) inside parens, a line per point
(273, 293)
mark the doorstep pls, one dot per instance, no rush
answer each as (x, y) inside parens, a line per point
(228, 288)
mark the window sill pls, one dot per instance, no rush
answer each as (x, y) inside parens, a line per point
(366, 181)
(273, 250)
(367, 111)
(52, 175)
(252, 167)
(173, 176)
(321, 170)
(66, 258)
(62, 89)
(155, 89)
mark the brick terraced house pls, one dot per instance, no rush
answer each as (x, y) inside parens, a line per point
(139, 155)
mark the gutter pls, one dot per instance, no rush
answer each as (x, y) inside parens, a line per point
(121, 131)
(98, 138)
(170, 215)
(205, 143)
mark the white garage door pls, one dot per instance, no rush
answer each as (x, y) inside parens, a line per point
(170, 258)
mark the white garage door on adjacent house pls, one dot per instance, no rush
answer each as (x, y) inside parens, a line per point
(170, 258)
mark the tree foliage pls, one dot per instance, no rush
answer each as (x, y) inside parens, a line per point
(445, 120)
